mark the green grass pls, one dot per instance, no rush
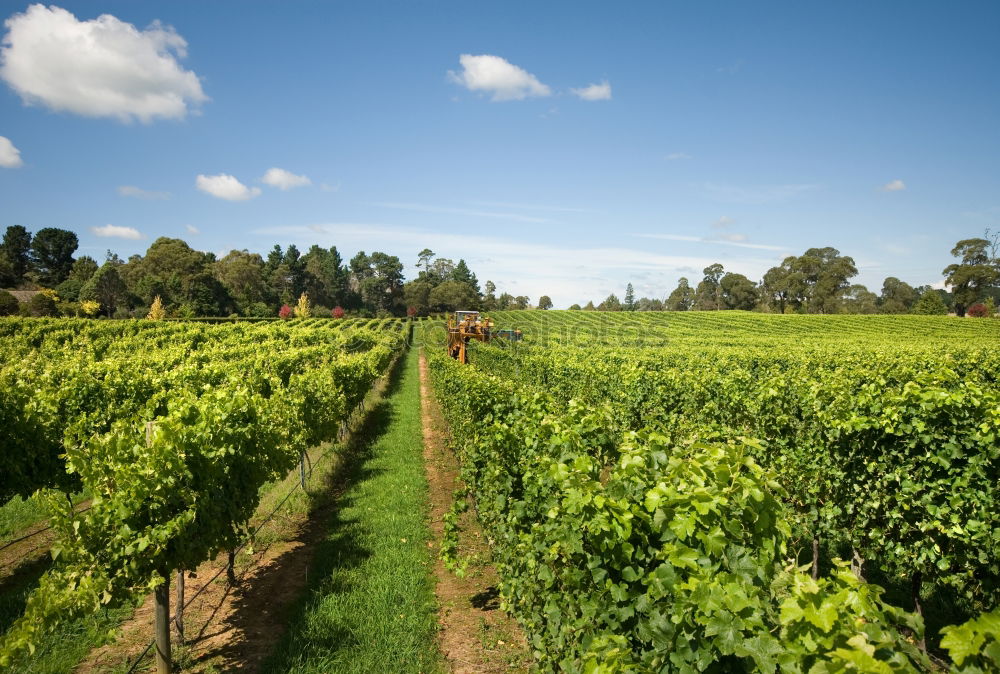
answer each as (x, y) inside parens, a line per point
(370, 604)
(62, 650)
(18, 514)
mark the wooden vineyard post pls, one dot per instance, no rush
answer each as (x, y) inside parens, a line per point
(179, 611)
(302, 470)
(162, 594)
(162, 600)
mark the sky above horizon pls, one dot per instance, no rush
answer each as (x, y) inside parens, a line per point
(560, 148)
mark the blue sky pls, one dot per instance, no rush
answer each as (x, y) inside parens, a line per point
(712, 132)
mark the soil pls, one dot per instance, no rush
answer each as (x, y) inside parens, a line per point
(28, 548)
(236, 627)
(230, 627)
(475, 634)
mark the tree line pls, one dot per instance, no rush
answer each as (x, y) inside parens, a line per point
(819, 282)
(191, 283)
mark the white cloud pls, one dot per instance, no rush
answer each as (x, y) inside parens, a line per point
(755, 195)
(894, 186)
(497, 76)
(674, 156)
(103, 67)
(567, 274)
(329, 188)
(594, 92)
(284, 180)
(117, 232)
(738, 240)
(225, 186)
(723, 222)
(529, 207)
(139, 193)
(191, 229)
(424, 208)
(10, 156)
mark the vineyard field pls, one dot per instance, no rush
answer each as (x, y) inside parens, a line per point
(684, 491)
(171, 429)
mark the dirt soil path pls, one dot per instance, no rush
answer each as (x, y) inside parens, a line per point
(475, 634)
(228, 627)
(29, 547)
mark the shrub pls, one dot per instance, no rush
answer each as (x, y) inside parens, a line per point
(338, 312)
(8, 304)
(258, 310)
(930, 304)
(156, 311)
(68, 309)
(978, 310)
(285, 311)
(41, 304)
(302, 309)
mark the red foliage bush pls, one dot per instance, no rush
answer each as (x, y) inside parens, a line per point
(338, 312)
(977, 310)
(411, 311)
(285, 311)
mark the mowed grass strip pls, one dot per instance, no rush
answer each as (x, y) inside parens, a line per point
(370, 605)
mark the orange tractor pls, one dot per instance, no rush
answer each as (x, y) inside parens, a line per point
(467, 326)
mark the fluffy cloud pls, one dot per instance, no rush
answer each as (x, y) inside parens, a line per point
(10, 156)
(117, 232)
(191, 229)
(284, 180)
(225, 186)
(103, 67)
(894, 186)
(495, 75)
(594, 92)
(566, 273)
(424, 208)
(139, 193)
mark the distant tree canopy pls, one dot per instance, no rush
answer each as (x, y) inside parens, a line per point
(682, 297)
(975, 275)
(898, 297)
(611, 303)
(819, 281)
(443, 285)
(195, 283)
(52, 256)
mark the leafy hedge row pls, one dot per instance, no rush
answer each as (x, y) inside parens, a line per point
(639, 551)
(172, 494)
(894, 453)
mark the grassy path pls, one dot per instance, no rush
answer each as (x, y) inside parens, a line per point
(370, 603)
